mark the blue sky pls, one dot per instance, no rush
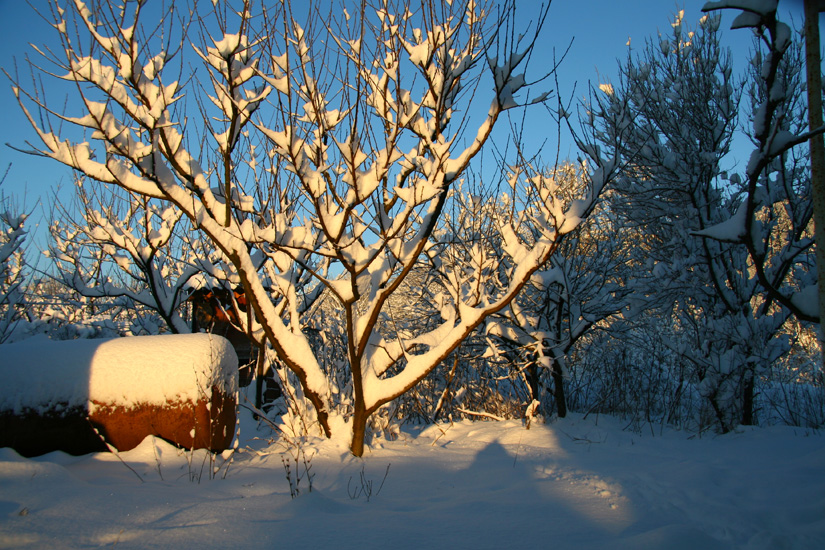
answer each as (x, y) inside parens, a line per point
(600, 30)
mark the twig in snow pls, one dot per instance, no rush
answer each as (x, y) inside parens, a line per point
(483, 414)
(115, 452)
(366, 485)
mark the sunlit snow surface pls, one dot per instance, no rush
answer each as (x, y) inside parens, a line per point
(575, 483)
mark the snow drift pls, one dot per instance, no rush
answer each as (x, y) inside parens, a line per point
(73, 395)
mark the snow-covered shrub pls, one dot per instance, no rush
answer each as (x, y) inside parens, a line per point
(636, 371)
(12, 266)
(699, 223)
(61, 313)
(113, 244)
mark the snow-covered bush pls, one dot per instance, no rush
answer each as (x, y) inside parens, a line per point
(636, 370)
(62, 314)
(694, 215)
(12, 266)
(113, 244)
(774, 220)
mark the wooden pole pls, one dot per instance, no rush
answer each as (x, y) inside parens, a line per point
(813, 65)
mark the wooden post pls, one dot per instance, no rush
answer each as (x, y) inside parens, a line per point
(813, 64)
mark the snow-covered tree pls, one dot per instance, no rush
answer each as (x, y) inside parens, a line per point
(111, 243)
(582, 285)
(774, 222)
(584, 289)
(685, 105)
(366, 121)
(12, 265)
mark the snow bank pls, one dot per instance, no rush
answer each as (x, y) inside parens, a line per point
(38, 373)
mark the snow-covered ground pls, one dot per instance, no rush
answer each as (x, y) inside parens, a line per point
(575, 483)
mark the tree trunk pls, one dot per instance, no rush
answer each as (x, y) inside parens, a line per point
(259, 380)
(359, 429)
(747, 398)
(558, 389)
(532, 375)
